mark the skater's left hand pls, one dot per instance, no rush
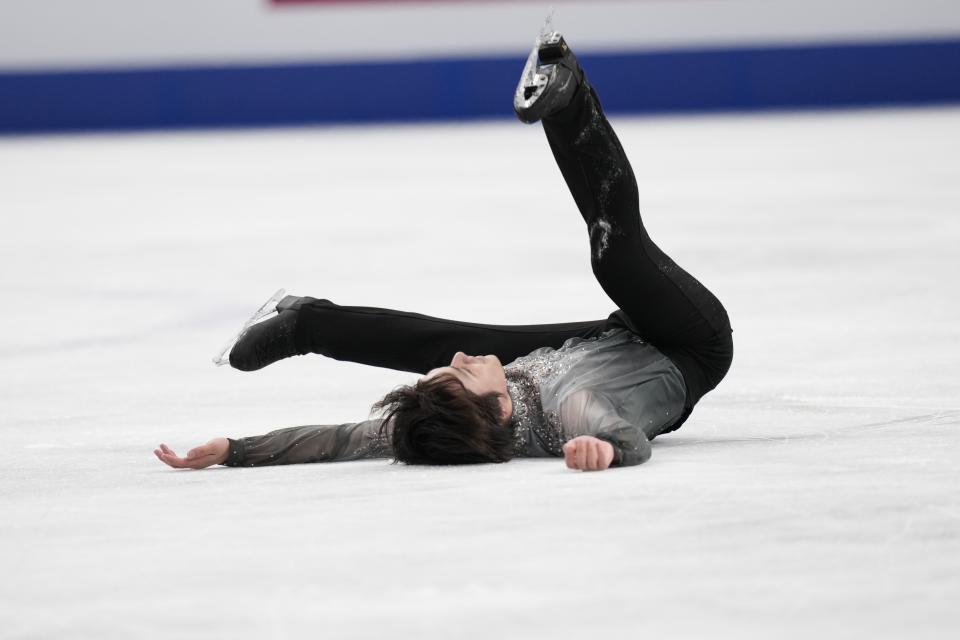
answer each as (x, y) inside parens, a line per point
(211, 453)
(587, 453)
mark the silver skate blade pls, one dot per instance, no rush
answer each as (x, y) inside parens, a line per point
(527, 79)
(268, 308)
(537, 72)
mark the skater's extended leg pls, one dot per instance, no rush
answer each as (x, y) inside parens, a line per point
(391, 339)
(418, 343)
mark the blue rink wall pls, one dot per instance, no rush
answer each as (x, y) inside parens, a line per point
(90, 65)
(741, 79)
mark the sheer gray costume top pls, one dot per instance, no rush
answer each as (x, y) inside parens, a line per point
(615, 387)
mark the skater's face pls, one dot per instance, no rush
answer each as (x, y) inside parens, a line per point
(480, 375)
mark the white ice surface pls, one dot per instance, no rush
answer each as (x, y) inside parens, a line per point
(815, 493)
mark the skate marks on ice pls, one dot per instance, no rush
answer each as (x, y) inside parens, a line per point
(125, 339)
(825, 420)
(790, 505)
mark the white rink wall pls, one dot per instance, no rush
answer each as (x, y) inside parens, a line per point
(71, 34)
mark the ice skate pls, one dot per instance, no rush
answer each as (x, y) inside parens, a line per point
(267, 309)
(266, 342)
(265, 338)
(549, 81)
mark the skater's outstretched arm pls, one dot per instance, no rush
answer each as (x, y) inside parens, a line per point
(311, 443)
(291, 445)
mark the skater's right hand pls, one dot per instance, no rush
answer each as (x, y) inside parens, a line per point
(214, 452)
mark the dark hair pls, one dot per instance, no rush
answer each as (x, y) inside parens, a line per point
(438, 421)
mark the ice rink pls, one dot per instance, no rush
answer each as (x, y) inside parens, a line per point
(815, 493)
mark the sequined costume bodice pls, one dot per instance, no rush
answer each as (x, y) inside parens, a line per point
(614, 386)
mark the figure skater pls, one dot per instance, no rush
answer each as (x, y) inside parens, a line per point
(594, 393)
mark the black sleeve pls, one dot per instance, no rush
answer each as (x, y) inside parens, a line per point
(311, 443)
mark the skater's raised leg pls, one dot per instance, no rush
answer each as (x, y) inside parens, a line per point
(660, 301)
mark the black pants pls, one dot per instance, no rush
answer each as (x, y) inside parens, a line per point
(657, 299)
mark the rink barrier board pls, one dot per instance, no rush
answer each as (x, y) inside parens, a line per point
(746, 79)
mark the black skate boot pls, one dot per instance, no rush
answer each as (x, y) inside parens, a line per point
(266, 342)
(266, 337)
(550, 79)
